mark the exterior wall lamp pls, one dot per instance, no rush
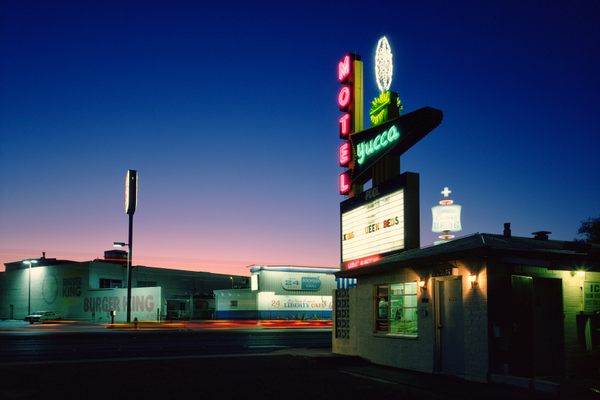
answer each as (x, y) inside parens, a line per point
(473, 280)
(422, 285)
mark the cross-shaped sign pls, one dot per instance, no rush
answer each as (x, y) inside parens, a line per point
(446, 192)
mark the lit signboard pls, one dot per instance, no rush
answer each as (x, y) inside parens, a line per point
(269, 301)
(380, 222)
(374, 228)
(131, 191)
(301, 283)
(350, 102)
(446, 218)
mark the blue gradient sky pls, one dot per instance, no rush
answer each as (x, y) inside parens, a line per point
(229, 114)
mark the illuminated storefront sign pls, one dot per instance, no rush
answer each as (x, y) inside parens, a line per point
(374, 228)
(308, 283)
(446, 218)
(268, 301)
(380, 222)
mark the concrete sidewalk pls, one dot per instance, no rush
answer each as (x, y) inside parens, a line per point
(434, 386)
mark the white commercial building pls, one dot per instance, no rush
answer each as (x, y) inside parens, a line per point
(90, 290)
(281, 292)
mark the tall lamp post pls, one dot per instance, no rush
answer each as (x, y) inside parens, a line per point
(131, 191)
(29, 262)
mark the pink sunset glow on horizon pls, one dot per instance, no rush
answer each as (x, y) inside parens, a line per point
(228, 267)
(183, 261)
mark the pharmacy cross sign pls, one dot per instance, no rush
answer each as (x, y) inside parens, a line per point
(446, 192)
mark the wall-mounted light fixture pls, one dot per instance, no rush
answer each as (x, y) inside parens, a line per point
(422, 285)
(473, 280)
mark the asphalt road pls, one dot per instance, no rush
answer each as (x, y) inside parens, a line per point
(58, 346)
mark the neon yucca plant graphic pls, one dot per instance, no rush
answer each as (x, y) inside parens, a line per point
(380, 106)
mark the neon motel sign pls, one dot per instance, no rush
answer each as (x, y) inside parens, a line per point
(349, 100)
(385, 219)
(380, 142)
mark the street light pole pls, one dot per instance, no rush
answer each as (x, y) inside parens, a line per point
(131, 192)
(29, 290)
(129, 258)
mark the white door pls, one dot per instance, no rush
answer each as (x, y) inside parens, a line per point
(450, 332)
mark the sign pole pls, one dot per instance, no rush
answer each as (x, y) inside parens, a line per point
(131, 195)
(129, 258)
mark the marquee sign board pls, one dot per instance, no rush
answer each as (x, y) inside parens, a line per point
(380, 222)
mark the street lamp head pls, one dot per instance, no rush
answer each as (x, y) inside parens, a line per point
(119, 244)
(30, 262)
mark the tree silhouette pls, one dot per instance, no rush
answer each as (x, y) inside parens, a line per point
(590, 230)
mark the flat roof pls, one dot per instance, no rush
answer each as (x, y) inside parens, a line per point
(553, 254)
(294, 268)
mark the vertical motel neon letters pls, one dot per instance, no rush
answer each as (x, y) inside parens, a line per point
(345, 154)
(347, 96)
(345, 122)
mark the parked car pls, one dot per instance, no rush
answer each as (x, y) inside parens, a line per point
(42, 316)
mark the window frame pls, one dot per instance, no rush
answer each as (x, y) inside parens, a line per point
(384, 326)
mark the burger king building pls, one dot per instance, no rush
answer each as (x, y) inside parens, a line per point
(90, 290)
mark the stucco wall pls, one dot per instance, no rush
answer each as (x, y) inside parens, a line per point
(392, 350)
(420, 353)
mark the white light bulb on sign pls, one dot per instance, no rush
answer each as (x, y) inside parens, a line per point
(383, 65)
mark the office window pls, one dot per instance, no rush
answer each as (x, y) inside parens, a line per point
(396, 309)
(233, 303)
(110, 283)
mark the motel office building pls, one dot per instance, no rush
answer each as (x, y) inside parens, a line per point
(90, 290)
(483, 307)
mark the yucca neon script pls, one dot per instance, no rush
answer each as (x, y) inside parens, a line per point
(367, 148)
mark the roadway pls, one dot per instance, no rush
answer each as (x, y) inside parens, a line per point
(21, 343)
(74, 360)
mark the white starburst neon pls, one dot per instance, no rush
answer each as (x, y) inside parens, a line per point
(383, 65)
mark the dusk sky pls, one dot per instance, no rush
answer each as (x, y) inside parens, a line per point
(228, 112)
